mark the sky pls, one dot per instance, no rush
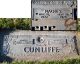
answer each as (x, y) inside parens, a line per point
(19, 9)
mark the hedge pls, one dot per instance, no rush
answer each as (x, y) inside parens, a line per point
(15, 23)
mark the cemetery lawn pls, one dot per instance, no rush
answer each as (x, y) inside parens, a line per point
(67, 61)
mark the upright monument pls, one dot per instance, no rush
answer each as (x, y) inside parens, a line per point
(54, 15)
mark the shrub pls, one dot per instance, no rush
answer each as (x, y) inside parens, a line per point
(6, 23)
(15, 23)
(23, 24)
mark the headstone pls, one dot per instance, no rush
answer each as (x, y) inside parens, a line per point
(54, 15)
(28, 45)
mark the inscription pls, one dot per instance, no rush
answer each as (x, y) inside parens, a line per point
(57, 13)
(53, 11)
(25, 44)
(67, 3)
(42, 49)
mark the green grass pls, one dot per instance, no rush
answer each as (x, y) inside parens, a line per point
(68, 61)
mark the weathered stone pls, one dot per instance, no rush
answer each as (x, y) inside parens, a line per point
(54, 14)
(24, 45)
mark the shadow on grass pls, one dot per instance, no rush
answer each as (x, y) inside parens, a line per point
(3, 57)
